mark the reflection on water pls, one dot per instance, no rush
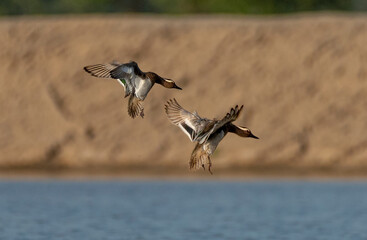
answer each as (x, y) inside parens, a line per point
(183, 210)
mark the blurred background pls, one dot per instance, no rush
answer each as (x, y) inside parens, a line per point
(301, 78)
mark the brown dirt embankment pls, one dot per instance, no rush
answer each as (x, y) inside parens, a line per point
(302, 80)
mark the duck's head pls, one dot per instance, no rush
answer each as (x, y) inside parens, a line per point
(244, 132)
(169, 83)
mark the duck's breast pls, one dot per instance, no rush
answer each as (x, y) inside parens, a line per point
(211, 144)
(142, 87)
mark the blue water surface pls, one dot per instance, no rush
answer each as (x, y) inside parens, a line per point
(183, 210)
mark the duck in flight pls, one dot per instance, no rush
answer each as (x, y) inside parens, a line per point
(136, 83)
(206, 132)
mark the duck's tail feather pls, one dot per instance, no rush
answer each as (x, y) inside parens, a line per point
(199, 158)
(135, 107)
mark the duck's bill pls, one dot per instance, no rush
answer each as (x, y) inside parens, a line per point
(253, 136)
(177, 87)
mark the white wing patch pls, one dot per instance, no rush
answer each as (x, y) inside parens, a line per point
(189, 128)
(186, 132)
(120, 81)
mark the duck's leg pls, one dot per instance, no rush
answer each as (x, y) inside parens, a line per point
(203, 166)
(210, 165)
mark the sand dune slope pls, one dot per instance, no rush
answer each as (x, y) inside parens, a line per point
(302, 80)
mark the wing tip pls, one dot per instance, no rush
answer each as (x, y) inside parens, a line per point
(86, 68)
(98, 70)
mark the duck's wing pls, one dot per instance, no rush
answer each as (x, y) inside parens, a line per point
(229, 117)
(127, 89)
(130, 70)
(127, 74)
(135, 78)
(190, 123)
(115, 70)
(102, 70)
